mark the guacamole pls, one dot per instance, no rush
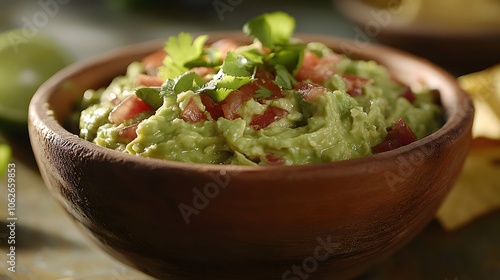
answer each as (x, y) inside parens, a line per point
(276, 101)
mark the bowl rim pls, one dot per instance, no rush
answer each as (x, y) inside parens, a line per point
(41, 116)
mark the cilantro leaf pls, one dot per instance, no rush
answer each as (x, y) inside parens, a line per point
(252, 52)
(263, 92)
(271, 28)
(233, 82)
(236, 65)
(181, 50)
(222, 85)
(170, 69)
(212, 84)
(287, 55)
(234, 73)
(150, 95)
(188, 81)
(182, 83)
(219, 94)
(283, 78)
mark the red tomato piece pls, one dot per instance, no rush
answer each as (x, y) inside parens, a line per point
(192, 113)
(128, 133)
(355, 84)
(273, 159)
(399, 135)
(225, 46)
(249, 88)
(148, 81)
(270, 115)
(266, 80)
(316, 69)
(408, 94)
(232, 103)
(128, 109)
(310, 92)
(309, 60)
(153, 61)
(213, 108)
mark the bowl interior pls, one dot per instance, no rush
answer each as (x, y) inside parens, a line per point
(67, 87)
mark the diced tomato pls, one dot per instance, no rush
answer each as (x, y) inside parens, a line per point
(128, 109)
(225, 46)
(316, 69)
(273, 159)
(153, 61)
(400, 134)
(192, 113)
(232, 103)
(355, 84)
(148, 81)
(264, 75)
(266, 80)
(213, 108)
(203, 71)
(408, 94)
(128, 133)
(270, 115)
(310, 92)
(249, 88)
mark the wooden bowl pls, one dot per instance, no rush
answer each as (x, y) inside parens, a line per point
(177, 220)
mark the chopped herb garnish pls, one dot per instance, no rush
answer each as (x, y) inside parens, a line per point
(182, 83)
(150, 95)
(263, 93)
(188, 81)
(181, 50)
(222, 85)
(219, 94)
(287, 55)
(236, 65)
(283, 78)
(271, 28)
(233, 82)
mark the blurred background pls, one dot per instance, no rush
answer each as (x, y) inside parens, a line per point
(461, 35)
(90, 27)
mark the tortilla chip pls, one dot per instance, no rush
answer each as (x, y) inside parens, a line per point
(477, 191)
(484, 88)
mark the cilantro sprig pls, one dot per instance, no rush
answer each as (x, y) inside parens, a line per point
(181, 50)
(271, 30)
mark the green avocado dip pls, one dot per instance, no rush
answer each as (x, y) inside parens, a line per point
(276, 101)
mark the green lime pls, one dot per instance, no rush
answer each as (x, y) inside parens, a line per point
(5, 154)
(26, 62)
